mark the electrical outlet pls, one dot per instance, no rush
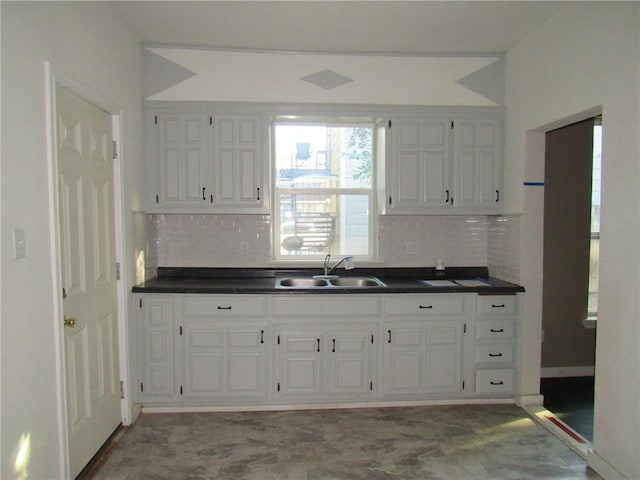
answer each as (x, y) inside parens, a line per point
(244, 248)
(410, 248)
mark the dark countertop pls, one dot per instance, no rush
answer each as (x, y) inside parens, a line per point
(263, 280)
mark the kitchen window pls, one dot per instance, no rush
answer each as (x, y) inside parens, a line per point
(324, 195)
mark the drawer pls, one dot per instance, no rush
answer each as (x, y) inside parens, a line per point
(223, 306)
(495, 353)
(496, 304)
(446, 304)
(495, 381)
(495, 329)
(326, 305)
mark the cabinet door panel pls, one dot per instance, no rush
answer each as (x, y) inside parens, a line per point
(177, 157)
(156, 347)
(404, 358)
(226, 175)
(238, 170)
(245, 373)
(406, 372)
(203, 359)
(350, 362)
(409, 179)
(248, 190)
(435, 178)
(204, 374)
(171, 176)
(300, 365)
(444, 356)
(443, 371)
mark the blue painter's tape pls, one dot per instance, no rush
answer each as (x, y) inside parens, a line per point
(533, 184)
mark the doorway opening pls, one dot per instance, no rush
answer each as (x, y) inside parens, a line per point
(570, 286)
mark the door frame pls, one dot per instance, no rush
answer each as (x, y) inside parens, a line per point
(54, 78)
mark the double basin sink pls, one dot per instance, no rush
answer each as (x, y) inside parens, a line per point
(364, 282)
(328, 282)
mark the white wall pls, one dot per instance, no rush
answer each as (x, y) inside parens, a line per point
(584, 59)
(90, 46)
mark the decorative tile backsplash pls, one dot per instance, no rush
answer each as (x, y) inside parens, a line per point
(503, 254)
(215, 241)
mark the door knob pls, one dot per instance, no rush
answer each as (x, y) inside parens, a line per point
(69, 322)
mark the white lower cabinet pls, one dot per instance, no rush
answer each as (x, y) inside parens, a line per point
(222, 348)
(423, 344)
(156, 347)
(288, 349)
(326, 347)
(337, 361)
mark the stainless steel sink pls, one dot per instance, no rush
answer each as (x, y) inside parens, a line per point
(339, 282)
(356, 282)
(301, 283)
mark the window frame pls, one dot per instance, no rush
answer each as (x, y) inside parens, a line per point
(371, 192)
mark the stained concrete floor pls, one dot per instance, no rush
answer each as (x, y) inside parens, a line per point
(436, 442)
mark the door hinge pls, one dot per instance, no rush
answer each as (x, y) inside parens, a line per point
(115, 149)
(121, 390)
(117, 270)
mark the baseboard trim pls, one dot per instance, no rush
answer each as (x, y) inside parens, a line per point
(325, 406)
(603, 468)
(559, 372)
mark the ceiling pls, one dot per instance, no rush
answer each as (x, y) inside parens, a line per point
(387, 27)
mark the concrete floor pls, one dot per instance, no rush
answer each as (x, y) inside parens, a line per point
(436, 442)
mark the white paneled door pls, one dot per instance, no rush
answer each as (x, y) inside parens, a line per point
(87, 239)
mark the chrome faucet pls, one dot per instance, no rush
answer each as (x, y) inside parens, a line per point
(348, 261)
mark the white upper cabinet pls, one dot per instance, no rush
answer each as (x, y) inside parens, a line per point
(238, 166)
(177, 161)
(477, 164)
(443, 163)
(202, 162)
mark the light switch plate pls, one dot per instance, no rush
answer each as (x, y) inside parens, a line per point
(19, 243)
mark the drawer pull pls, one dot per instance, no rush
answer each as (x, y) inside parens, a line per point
(500, 305)
(495, 354)
(496, 383)
(497, 330)
(261, 336)
(334, 346)
(389, 341)
(318, 344)
(425, 306)
(224, 308)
